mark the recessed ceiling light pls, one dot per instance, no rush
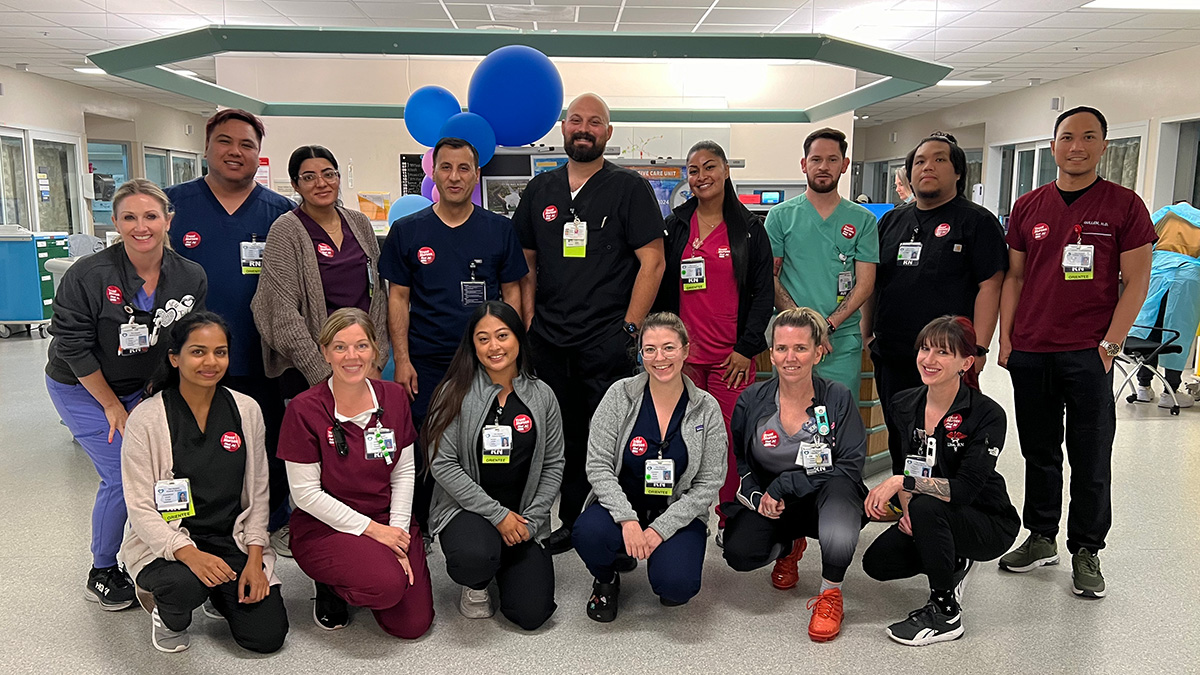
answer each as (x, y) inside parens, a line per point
(1168, 5)
(963, 83)
(91, 71)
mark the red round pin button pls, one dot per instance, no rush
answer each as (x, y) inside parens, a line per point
(426, 255)
(550, 213)
(1041, 231)
(770, 438)
(231, 441)
(638, 446)
(325, 249)
(522, 423)
(191, 239)
(953, 421)
(848, 231)
(114, 295)
(942, 230)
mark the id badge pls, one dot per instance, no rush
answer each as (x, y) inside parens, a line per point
(1078, 261)
(497, 444)
(660, 477)
(252, 253)
(692, 273)
(381, 444)
(845, 283)
(916, 467)
(134, 339)
(474, 293)
(910, 254)
(575, 239)
(173, 499)
(814, 457)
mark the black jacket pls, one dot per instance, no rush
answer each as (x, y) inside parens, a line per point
(752, 269)
(968, 457)
(848, 441)
(90, 306)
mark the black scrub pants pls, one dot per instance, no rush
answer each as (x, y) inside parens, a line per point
(430, 371)
(579, 377)
(259, 627)
(941, 534)
(833, 515)
(892, 376)
(1044, 384)
(267, 394)
(524, 573)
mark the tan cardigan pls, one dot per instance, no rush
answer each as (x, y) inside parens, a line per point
(146, 457)
(289, 306)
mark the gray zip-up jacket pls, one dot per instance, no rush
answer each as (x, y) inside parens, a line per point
(703, 431)
(456, 466)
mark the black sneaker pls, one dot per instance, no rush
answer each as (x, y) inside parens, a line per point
(926, 626)
(329, 609)
(110, 587)
(669, 603)
(559, 541)
(625, 563)
(602, 606)
(960, 580)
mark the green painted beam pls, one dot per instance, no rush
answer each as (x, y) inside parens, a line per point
(139, 63)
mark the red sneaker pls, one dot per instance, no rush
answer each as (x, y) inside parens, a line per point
(786, 574)
(826, 620)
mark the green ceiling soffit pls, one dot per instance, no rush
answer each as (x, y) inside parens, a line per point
(142, 63)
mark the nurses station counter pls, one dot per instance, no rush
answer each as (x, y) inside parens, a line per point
(26, 286)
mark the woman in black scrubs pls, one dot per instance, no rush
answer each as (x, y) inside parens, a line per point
(494, 434)
(195, 473)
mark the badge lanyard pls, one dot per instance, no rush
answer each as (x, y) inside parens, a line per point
(920, 465)
(379, 436)
(818, 457)
(845, 278)
(909, 253)
(135, 338)
(497, 439)
(1079, 259)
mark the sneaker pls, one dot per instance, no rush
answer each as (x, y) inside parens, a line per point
(602, 606)
(1182, 398)
(110, 587)
(625, 563)
(926, 626)
(826, 620)
(720, 537)
(1035, 552)
(475, 604)
(1086, 579)
(427, 540)
(670, 603)
(165, 639)
(960, 580)
(786, 574)
(329, 609)
(1143, 394)
(559, 541)
(281, 541)
(210, 610)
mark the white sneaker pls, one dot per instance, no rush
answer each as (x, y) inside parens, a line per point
(476, 604)
(1182, 398)
(281, 541)
(1144, 394)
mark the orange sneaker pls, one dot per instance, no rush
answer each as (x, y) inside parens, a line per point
(786, 575)
(826, 620)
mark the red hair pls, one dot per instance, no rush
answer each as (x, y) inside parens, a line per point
(957, 334)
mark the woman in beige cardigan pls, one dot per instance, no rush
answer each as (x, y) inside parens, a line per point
(319, 258)
(194, 469)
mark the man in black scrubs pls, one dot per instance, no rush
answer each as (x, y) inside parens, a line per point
(592, 234)
(942, 254)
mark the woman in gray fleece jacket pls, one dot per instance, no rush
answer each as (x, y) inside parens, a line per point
(656, 459)
(494, 435)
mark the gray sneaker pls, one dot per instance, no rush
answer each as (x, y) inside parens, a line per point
(281, 541)
(165, 639)
(476, 604)
(1086, 579)
(1035, 552)
(210, 610)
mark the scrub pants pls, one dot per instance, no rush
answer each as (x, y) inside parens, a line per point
(268, 393)
(430, 371)
(845, 363)
(941, 534)
(674, 568)
(365, 574)
(708, 378)
(84, 417)
(259, 627)
(833, 515)
(475, 554)
(1044, 384)
(579, 377)
(892, 376)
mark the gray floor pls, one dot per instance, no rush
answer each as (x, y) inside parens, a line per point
(738, 623)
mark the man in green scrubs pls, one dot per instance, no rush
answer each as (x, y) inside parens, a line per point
(826, 249)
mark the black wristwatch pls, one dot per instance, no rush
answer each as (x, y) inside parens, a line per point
(909, 483)
(829, 325)
(631, 329)
(980, 350)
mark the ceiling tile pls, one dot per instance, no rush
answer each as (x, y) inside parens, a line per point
(1045, 34)
(689, 15)
(1163, 20)
(231, 8)
(737, 16)
(87, 20)
(334, 9)
(459, 12)
(443, 22)
(1126, 34)
(523, 25)
(277, 20)
(1035, 5)
(168, 21)
(143, 7)
(707, 27)
(1003, 47)
(78, 6)
(1085, 19)
(577, 26)
(1000, 19)
(22, 19)
(49, 32)
(411, 10)
(655, 27)
(598, 14)
(969, 33)
(1155, 47)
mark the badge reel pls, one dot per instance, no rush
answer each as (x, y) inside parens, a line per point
(575, 239)
(660, 477)
(134, 337)
(252, 255)
(1078, 259)
(497, 444)
(692, 272)
(474, 293)
(173, 499)
(380, 442)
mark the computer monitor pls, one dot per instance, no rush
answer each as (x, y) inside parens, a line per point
(770, 196)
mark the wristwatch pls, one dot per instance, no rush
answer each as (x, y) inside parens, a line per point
(631, 329)
(829, 326)
(909, 483)
(1111, 348)
(980, 350)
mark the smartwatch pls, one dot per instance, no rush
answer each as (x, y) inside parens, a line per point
(980, 350)
(829, 326)
(631, 329)
(909, 483)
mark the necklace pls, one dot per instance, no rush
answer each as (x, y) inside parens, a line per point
(701, 236)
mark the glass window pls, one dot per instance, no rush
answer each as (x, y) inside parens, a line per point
(974, 170)
(1007, 153)
(1120, 162)
(1025, 160)
(14, 191)
(183, 167)
(156, 167)
(1047, 168)
(57, 177)
(110, 167)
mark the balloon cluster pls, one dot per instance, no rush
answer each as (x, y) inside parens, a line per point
(514, 98)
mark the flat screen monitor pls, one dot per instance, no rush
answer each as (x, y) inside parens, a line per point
(770, 196)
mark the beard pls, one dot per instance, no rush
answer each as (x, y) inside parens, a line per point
(823, 189)
(930, 195)
(583, 155)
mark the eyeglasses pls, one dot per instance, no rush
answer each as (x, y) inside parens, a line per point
(328, 175)
(667, 351)
(339, 439)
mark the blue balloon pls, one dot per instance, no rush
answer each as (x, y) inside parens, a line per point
(406, 205)
(427, 110)
(473, 129)
(519, 92)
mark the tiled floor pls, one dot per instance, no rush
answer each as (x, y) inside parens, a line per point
(738, 623)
